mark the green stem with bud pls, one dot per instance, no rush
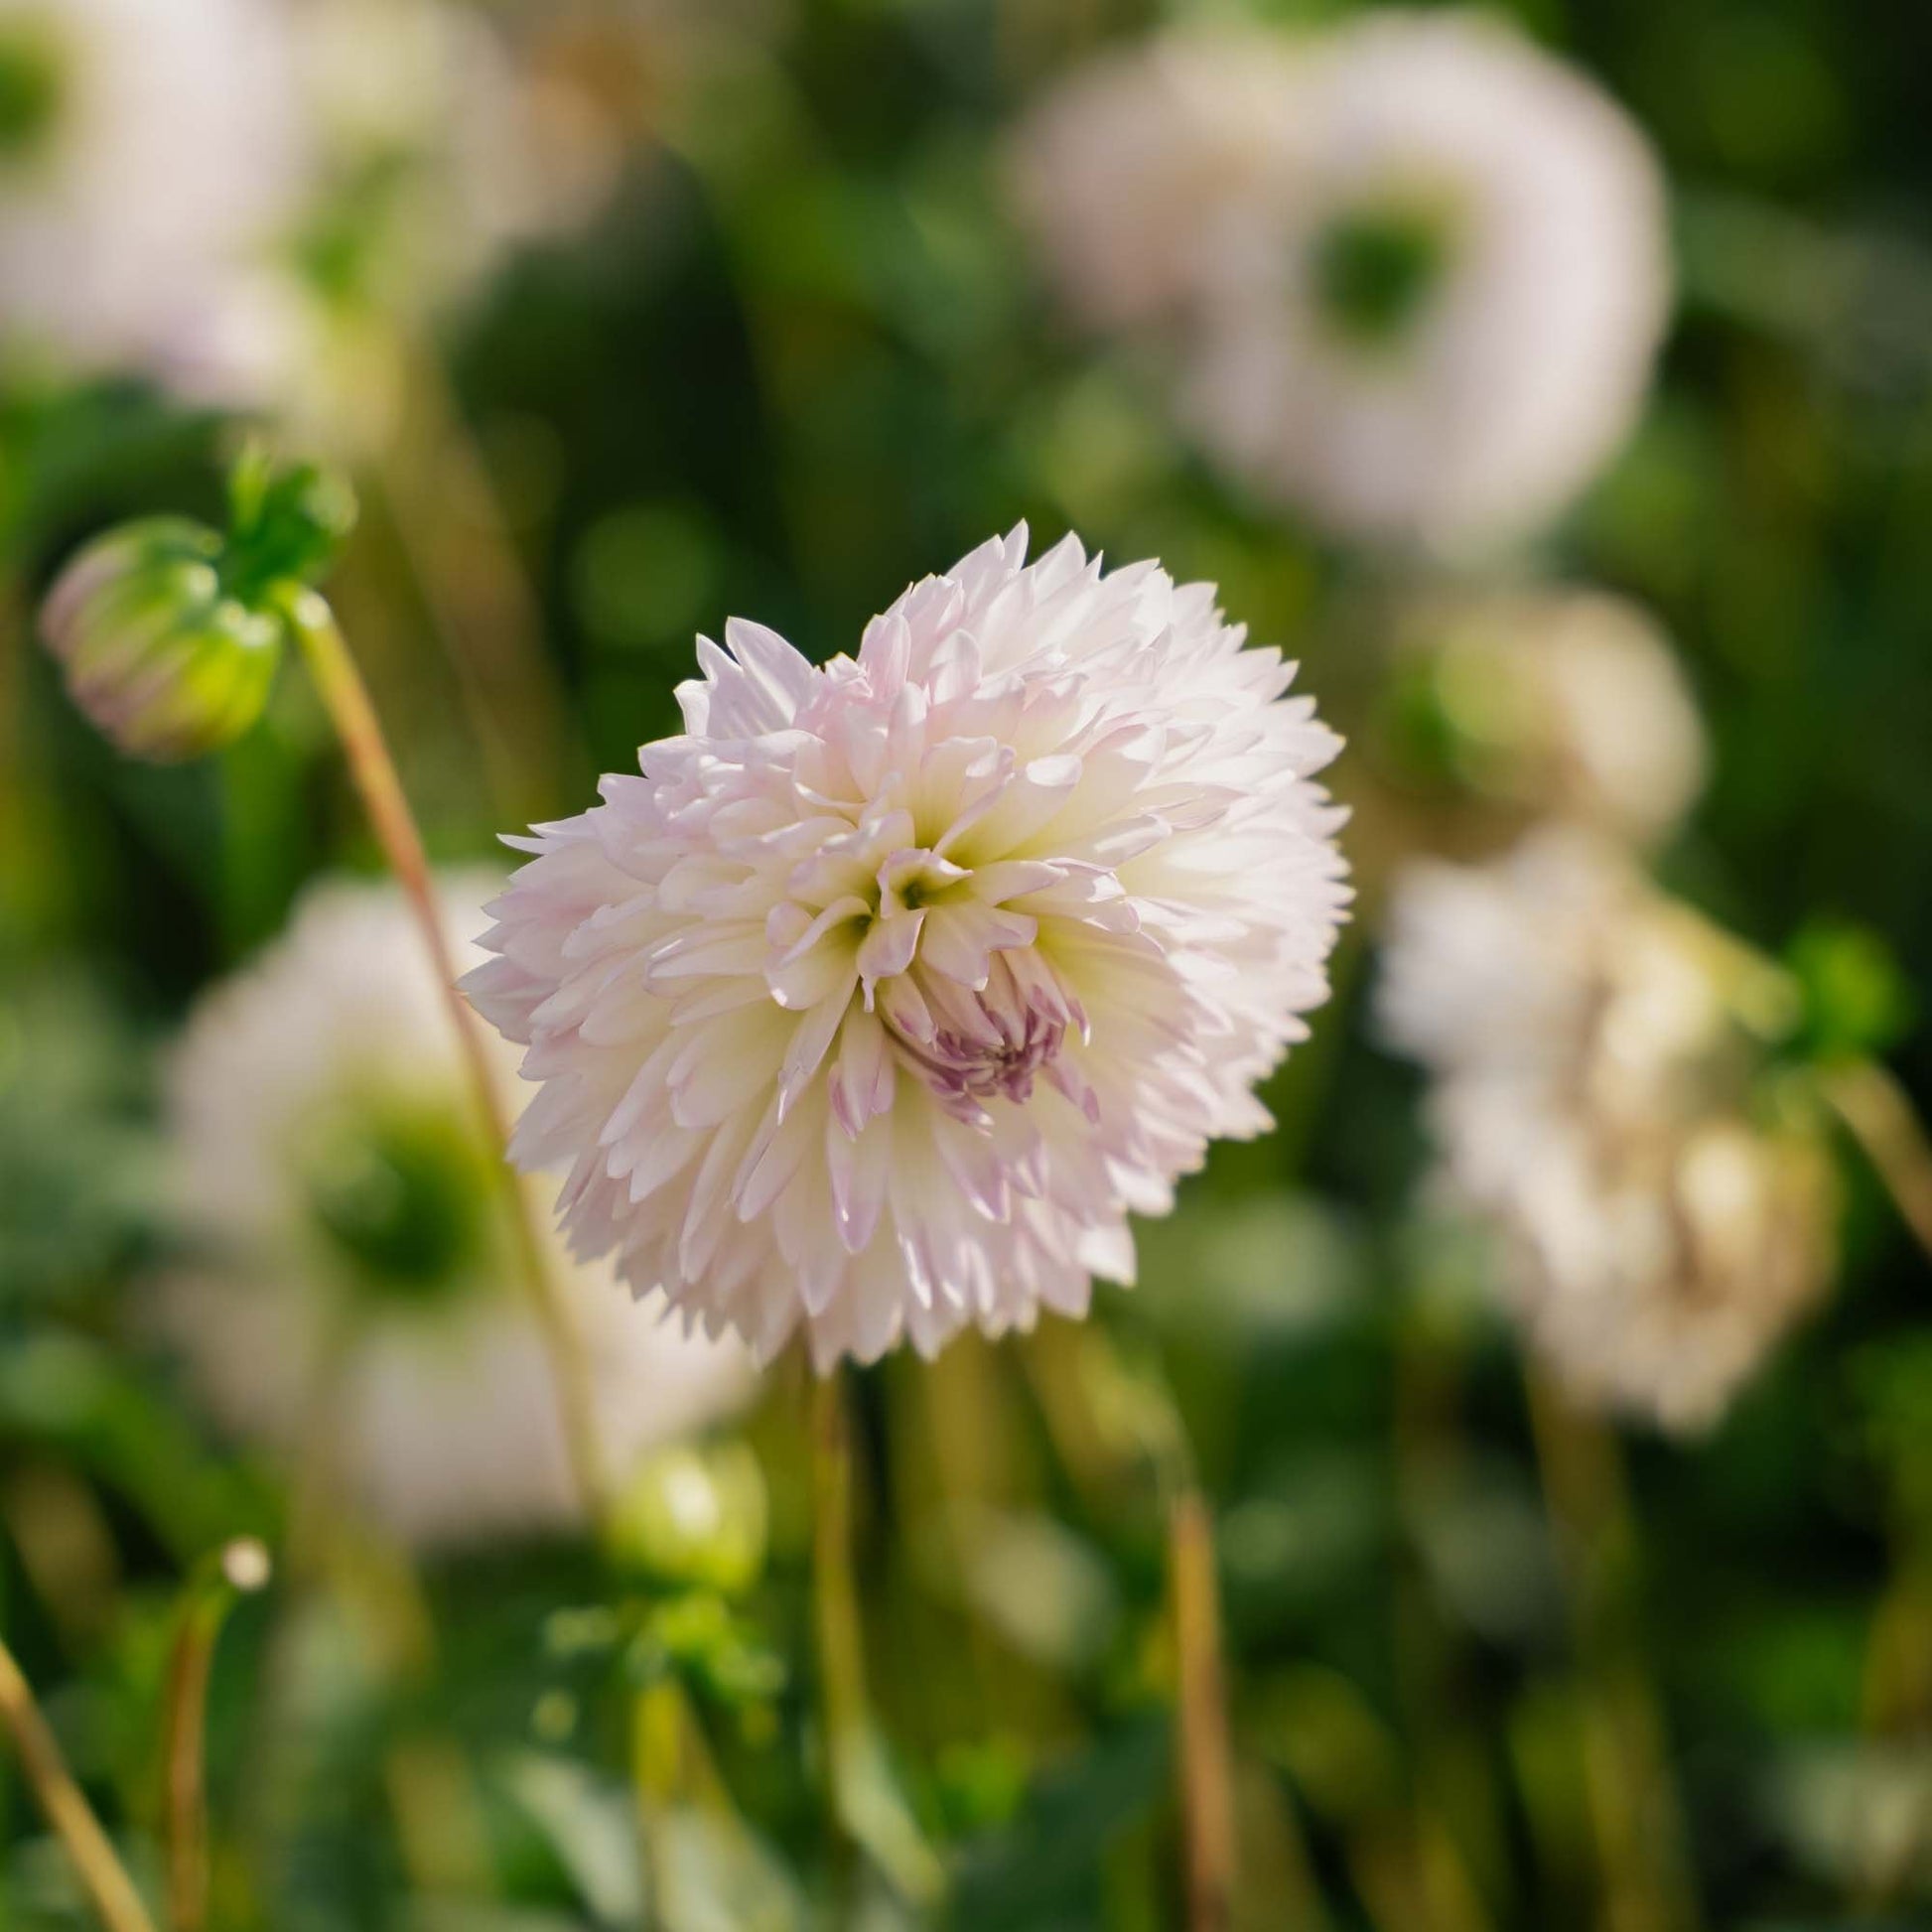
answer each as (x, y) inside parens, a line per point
(239, 1568)
(347, 699)
(111, 1890)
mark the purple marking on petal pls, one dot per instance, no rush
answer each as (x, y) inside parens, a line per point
(1019, 1037)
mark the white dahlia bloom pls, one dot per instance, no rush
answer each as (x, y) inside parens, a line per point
(1599, 1100)
(1419, 270)
(1566, 703)
(893, 987)
(353, 1292)
(145, 153)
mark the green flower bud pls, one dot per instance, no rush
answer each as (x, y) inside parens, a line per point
(156, 652)
(170, 633)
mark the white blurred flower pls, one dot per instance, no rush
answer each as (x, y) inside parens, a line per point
(1596, 1050)
(354, 1294)
(145, 154)
(889, 991)
(433, 149)
(1119, 168)
(1570, 703)
(1417, 268)
(203, 189)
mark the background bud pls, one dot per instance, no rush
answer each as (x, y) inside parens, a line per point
(695, 1515)
(155, 651)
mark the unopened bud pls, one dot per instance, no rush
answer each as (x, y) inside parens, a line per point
(170, 632)
(695, 1516)
(155, 650)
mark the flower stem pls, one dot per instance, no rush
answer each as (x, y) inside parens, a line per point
(67, 1809)
(347, 699)
(239, 1568)
(657, 1774)
(868, 1811)
(835, 1598)
(1640, 1839)
(1119, 1422)
(1879, 1113)
(1206, 1774)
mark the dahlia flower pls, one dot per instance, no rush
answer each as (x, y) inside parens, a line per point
(1417, 271)
(893, 987)
(144, 157)
(351, 1293)
(1601, 1101)
(1570, 703)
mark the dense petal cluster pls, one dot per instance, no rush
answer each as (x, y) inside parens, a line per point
(1416, 271)
(353, 1296)
(1597, 1051)
(892, 988)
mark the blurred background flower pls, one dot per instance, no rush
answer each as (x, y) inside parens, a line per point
(147, 158)
(346, 1290)
(1421, 269)
(1546, 702)
(1602, 1060)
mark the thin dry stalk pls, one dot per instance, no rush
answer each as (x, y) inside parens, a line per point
(66, 1807)
(347, 699)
